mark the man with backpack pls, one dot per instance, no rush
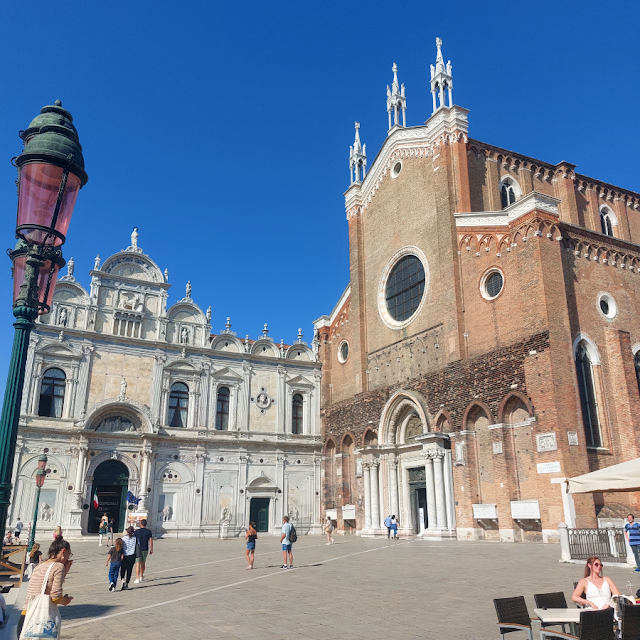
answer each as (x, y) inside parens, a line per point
(288, 537)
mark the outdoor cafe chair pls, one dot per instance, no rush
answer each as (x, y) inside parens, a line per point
(594, 625)
(555, 600)
(513, 615)
(630, 623)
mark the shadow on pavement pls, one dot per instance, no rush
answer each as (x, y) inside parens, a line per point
(79, 611)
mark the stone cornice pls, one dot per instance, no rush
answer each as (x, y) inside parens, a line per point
(531, 202)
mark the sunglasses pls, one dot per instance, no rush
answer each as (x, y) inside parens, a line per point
(598, 564)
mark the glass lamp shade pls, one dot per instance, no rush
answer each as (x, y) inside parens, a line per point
(41, 476)
(42, 461)
(39, 187)
(45, 295)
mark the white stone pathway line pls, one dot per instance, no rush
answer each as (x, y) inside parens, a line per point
(280, 572)
(189, 566)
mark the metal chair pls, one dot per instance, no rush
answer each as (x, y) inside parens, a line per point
(513, 615)
(555, 600)
(630, 622)
(594, 625)
(584, 595)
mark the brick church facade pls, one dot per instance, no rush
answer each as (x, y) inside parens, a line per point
(487, 345)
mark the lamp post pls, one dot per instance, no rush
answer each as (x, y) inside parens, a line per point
(50, 175)
(41, 475)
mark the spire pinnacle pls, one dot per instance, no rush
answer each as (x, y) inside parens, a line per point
(357, 158)
(396, 101)
(441, 81)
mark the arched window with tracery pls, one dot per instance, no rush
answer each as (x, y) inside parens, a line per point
(348, 469)
(509, 192)
(330, 475)
(297, 413)
(178, 405)
(607, 221)
(222, 409)
(52, 393)
(588, 402)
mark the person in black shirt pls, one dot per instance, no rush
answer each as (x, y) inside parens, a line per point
(110, 531)
(145, 542)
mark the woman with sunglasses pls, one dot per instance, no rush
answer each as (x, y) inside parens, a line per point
(596, 589)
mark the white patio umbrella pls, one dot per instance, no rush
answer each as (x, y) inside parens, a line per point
(619, 477)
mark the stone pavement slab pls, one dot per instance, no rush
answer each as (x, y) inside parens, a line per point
(355, 589)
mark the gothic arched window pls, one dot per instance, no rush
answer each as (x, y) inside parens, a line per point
(222, 409)
(52, 393)
(607, 221)
(636, 362)
(508, 192)
(588, 401)
(178, 405)
(297, 407)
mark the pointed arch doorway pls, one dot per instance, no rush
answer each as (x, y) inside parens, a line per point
(110, 484)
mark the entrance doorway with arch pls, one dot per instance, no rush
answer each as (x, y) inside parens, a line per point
(110, 485)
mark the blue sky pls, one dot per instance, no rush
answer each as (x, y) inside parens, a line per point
(222, 130)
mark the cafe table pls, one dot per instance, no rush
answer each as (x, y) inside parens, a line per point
(559, 616)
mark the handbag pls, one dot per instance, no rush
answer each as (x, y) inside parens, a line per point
(42, 619)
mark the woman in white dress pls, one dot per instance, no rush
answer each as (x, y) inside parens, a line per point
(596, 588)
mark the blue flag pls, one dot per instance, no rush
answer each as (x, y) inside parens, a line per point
(131, 498)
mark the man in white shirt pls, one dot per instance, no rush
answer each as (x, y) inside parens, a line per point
(18, 529)
(286, 543)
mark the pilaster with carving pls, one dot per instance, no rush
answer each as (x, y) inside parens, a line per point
(28, 374)
(159, 361)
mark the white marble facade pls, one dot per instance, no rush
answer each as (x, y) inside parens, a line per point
(125, 357)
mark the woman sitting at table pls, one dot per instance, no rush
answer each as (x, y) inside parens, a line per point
(597, 589)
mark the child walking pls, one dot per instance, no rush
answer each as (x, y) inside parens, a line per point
(114, 559)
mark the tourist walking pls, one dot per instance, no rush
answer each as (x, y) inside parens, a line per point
(129, 549)
(50, 575)
(102, 528)
(34, 558)
(251, 536)
(394, 527)
(595, 587)
(328, 529)
(387, 523)
(145, 548)
(114, 560)
(287, 544)
(110, 528)
(632, 531)
(18, 530)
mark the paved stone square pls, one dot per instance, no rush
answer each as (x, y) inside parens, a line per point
(357, 588)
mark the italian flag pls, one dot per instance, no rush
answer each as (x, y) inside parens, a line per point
(96, 503)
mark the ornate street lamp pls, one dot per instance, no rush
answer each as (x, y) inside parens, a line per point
(41, 475)
(50, 174)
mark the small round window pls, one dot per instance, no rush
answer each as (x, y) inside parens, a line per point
(405, 288)
(343, 351)
(607, 306)
(492, 285)
(396, 169)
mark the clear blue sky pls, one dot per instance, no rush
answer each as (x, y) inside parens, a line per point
(222, 129)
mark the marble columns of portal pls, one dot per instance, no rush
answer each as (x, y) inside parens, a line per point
(435, 477)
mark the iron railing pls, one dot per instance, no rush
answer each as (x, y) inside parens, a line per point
(606, 544)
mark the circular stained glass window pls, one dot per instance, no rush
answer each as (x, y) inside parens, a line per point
(405, 288)
(493, 284)
(343, 351)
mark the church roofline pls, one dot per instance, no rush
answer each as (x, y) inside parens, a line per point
(327, 321)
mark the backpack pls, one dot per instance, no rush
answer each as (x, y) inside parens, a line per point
(293, 536)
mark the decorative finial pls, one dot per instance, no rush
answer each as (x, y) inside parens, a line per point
(282, 347)
(227, 325)
(300, 334)
(134, 238)
(57, 103)
(394, 68)
(188, 288)
(71, 265)
(265, 331)
(208, 315)
(441, 81)
(396, 102)
(357, 158)
(246, 343)
(166, 275)
(96, 263)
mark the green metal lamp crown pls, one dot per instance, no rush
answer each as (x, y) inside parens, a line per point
(52, 138)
